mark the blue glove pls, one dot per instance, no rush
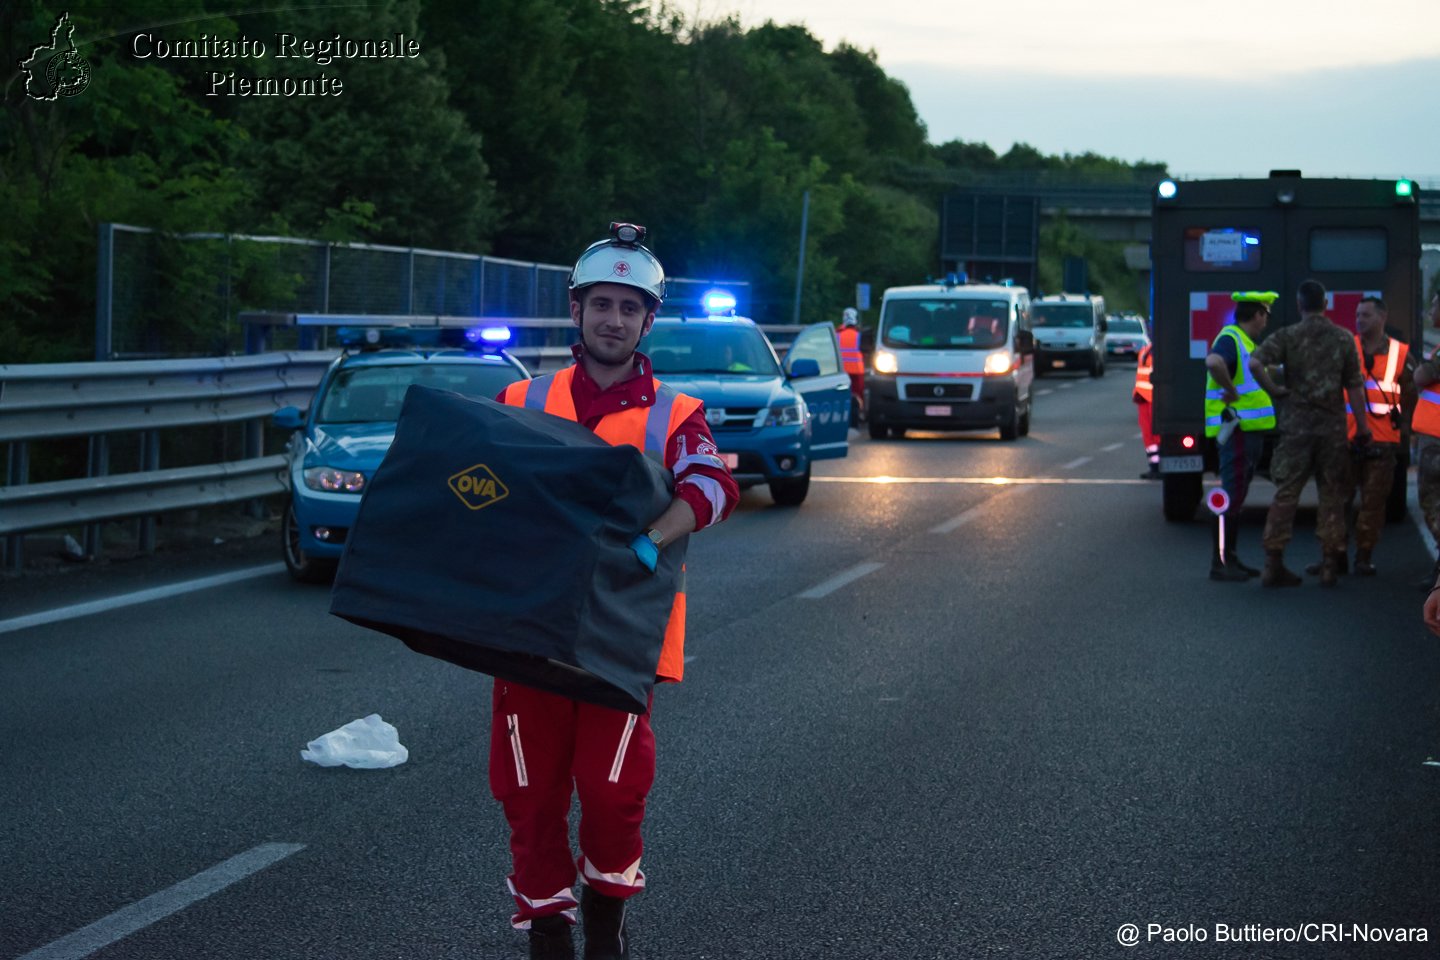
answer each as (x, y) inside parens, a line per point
(646, 551)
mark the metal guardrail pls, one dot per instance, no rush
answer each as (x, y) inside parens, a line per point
(55, 400)
(41, 506)
(40, 402)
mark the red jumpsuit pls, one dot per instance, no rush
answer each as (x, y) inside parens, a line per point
(1143, 395)
(543, 746)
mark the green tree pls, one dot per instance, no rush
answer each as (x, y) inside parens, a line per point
(390, 159)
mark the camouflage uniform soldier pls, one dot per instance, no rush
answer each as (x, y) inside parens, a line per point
(1321, 367)
(1427, 378)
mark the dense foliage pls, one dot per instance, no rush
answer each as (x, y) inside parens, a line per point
(522, 128)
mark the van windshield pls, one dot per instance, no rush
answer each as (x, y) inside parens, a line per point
(946, 324)
(1061, 315)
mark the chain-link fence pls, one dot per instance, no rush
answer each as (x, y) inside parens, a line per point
(176, 295)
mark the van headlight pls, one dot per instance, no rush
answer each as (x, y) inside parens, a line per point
(885, 362)
(997, 363)
(330, 480)
(786, 415)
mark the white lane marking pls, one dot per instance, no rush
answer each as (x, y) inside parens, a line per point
(1077, 462)
(988, 481)
(1065, 386)
(689, 659)
(1112, 448)
(1041, 393)
(1138, 436)
(955, 523)
(158, 906)
(140, 596)
(839, 580)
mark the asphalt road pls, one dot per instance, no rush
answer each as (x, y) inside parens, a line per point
(1025, 720)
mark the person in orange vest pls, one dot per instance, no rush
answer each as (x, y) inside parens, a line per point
(1425, 424)
(544, 746)
(854, 361)
(1389, 372)
(1144, 397)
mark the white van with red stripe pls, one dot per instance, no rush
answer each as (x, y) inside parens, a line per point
(952, 356)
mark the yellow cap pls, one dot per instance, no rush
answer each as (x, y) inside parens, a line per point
(1266, 297)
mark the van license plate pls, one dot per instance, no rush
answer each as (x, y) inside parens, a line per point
(1057, 363)
(1181, 464)
(938, 410)
(732, 460)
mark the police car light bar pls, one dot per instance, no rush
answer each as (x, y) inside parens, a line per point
(490, 336)
(718, 302)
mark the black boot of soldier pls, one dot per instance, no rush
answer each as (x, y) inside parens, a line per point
(550, 939)
(606, 937)
(1342, 565)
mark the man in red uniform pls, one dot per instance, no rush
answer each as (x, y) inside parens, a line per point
(854, 362)
(1144, 397)
(542, 745)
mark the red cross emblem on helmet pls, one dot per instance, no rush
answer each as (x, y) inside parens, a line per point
(622, 269)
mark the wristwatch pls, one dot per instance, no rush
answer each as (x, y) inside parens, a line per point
(655, 537)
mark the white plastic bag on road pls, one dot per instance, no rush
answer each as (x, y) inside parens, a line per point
(366, 744)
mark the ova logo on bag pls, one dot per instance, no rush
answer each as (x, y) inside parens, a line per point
(478, 487)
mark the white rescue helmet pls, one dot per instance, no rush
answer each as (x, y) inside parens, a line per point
(621, 259)
(852, 317)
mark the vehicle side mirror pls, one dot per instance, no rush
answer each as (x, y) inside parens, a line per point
(288, 418)
(1024, 342)
(804, 367)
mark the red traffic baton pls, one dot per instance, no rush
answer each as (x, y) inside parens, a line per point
(1218, 501)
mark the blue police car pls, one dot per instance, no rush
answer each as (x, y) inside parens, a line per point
(770, 420)
(341, 439)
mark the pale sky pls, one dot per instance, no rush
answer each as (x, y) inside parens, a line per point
(1218, 87)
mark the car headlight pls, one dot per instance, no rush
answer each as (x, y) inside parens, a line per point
(997, 363)
(885, 362)
(788, 414)
(330, 480)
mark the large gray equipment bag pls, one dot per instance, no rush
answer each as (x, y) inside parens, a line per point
(497, 538)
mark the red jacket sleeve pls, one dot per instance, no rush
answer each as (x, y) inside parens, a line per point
(701, 477)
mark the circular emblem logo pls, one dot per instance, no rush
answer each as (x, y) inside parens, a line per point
(622, 269)
(939, 391)
(68, 73)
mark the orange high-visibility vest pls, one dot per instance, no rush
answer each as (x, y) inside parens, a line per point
(1426, 418)
(1381, 396)
(647, 429)
(1144, 366)
(850, 354)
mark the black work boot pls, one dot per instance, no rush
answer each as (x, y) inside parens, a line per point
(1364, 566)
(1330, 569)
(604, 917)
(1275, 574)
(1232, 556)
(1316, 568)
(550, 939)
(1223, 570)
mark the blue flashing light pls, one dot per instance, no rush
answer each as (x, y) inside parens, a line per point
(718, 301)
(1252, 241)
(490, 336)
(1167, 189)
